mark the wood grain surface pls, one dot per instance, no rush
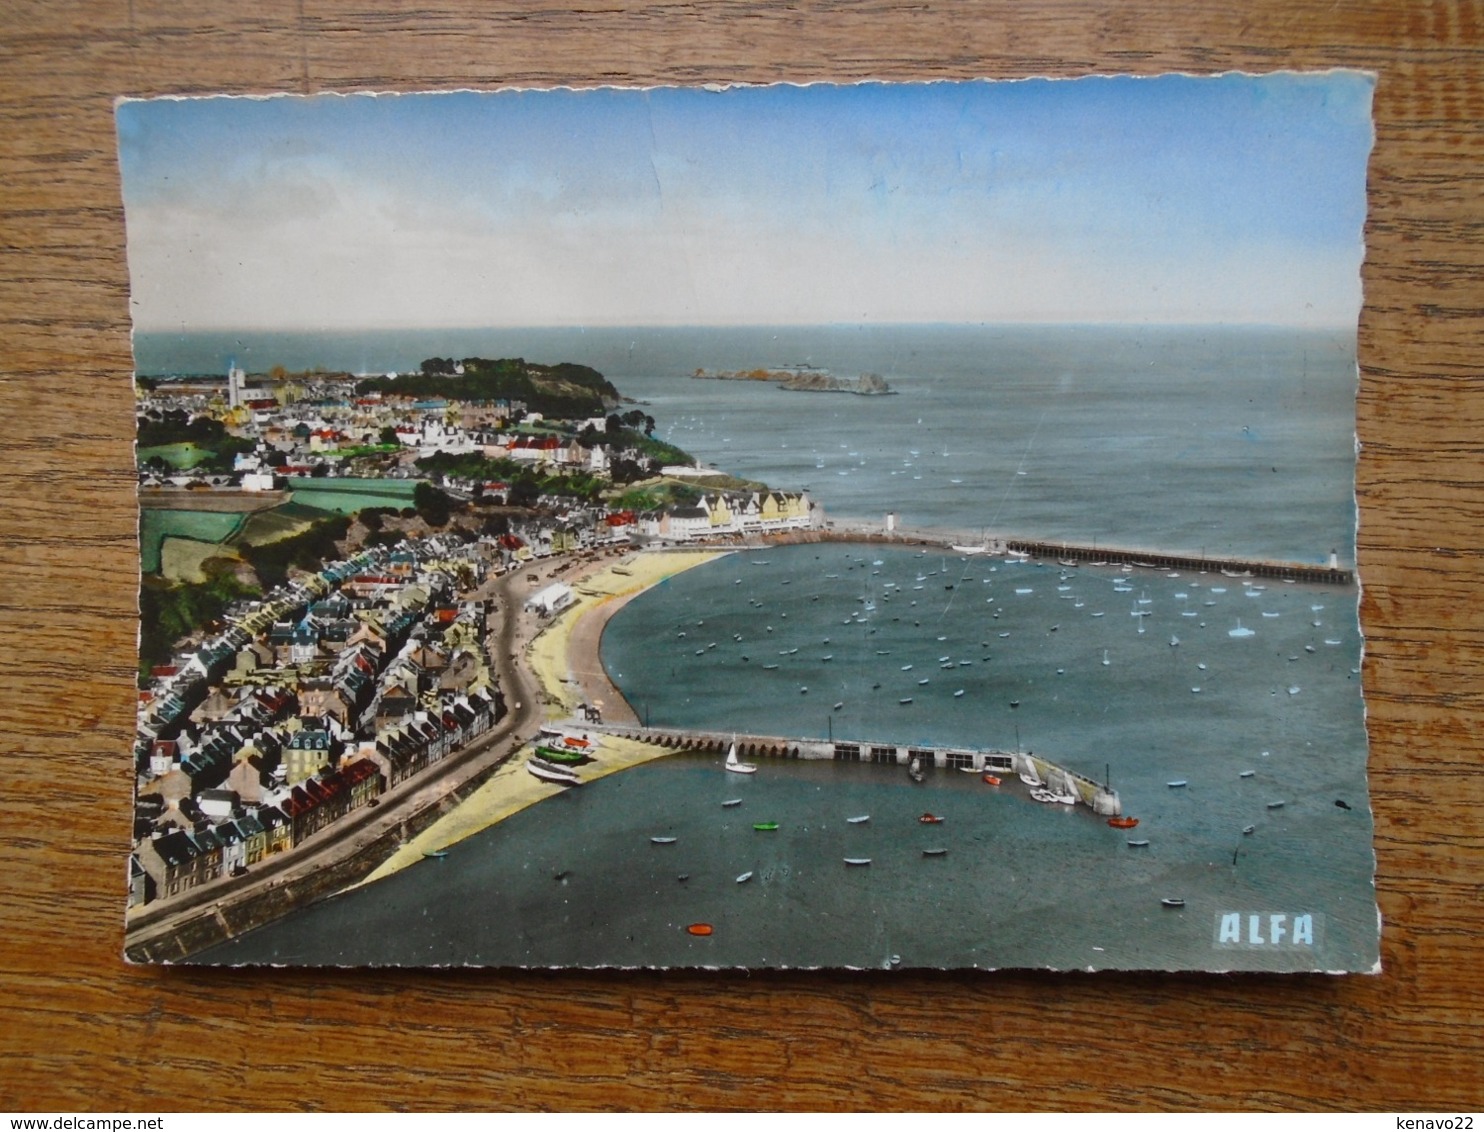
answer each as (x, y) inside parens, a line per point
(80, 1030)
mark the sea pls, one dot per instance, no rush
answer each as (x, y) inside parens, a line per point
(1247, 691)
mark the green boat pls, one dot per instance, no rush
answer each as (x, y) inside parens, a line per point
(557, 755)
(765, 826)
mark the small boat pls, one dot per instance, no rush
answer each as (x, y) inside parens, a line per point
(745, 877)
(1177, 782)
(935, 852)
(553, 754)
(857, 860)
(1276, 805)
(736, 767)
(1142, 843)
(699, 929)
(732, 802)
(930, 819)
(1247, 830)
(547, 773)
(662, 841)
(906, 700)
(992, 779)
(1173, 902)
(958, 693)
(436, 854)
(765, 826)
(1123, 823)
(1246, 774)
(859, 819)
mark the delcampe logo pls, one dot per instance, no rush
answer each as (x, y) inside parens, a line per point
(1269, 931)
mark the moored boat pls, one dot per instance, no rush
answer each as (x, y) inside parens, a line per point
(734, 765)
(992, 779)
(765, 826)
(930, 818)
(857, 860)
(1123, 823)
(699, 929)
(1173, 902)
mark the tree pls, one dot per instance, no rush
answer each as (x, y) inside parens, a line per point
(589, 437)
(434, 506)
(319, 471)
(524, 491)
(615, 425)
(388, 435)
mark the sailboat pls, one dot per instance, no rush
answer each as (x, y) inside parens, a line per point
(734, 765)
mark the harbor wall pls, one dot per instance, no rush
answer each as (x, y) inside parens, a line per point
(1096, 796)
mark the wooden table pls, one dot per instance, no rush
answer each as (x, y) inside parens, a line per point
(81, 1031)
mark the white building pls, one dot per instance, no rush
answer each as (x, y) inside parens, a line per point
(553, 599)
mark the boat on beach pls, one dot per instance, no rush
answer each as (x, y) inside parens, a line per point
(549, 772)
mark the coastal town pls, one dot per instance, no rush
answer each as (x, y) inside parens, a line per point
(325, 637)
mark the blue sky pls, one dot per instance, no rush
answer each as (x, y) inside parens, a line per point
(1177, 199)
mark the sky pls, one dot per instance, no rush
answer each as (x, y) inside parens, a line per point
(1228, 199)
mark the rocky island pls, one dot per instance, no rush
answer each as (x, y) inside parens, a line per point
(806, 379)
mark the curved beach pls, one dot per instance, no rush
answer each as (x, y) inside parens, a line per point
(564, 657)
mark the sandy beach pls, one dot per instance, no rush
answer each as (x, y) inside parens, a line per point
(564, 658)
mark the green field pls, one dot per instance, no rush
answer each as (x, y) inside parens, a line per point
(155, 526)
(283, 521)
(181, 456)
(344, 496)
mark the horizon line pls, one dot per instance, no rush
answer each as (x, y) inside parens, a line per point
(830, 324)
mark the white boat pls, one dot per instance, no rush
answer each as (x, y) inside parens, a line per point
(745, 877)
(1029, 775)
(859, 819)
(730, 802)
(914, 769)
(662, 840)
(547, 773)
(1176, 782)
(1240, 632)
(734, 765)
(857, 860)
(1105, 658)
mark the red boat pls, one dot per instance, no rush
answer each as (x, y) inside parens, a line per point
(699, 929)
(1123, 823)
(991, 779)
(930, 819)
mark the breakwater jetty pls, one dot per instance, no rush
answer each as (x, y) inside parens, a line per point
(1332, 574)
(1069, 553)
(1082, 790)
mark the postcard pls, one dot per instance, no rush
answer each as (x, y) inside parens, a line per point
(875, 526)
